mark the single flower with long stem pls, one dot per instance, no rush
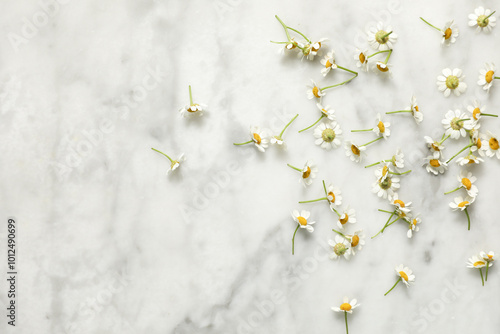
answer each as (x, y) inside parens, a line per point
(278, 140)
(308, 172)
(355, 152)
(475, 262)
(384, 67)
(326, 112)
(483, 19)
(333, 196)
(405, 275)
(302, 220)
(413, 109)
(315, 91)
(258, 137)
(192, 108)
(460, 203)
(450, 31)
(346, 307)
(174, 163)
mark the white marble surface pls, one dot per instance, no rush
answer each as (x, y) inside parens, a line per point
(109, 244)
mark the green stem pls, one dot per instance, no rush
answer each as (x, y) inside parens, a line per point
(386, 35)
(346, 327)
(496, 77)
(342, 83)
(314, 200)
(340, 233)
(284, 27)
(387, 225)
(301, 34)
(376, 163)
(297, 169)
(487, 17)
(371, 141)
(247, 142)
(402, 173)
(453, 157)
(398, 111)
(468, 219)
(338, 214)
(293, 239)
(365, 130)
(169, 158)
(392, 214)
(388, 56)
(491, 115)
(487, 266)
(279, 42)
(399, 280)
(324, 187)
(376, 53)
(310, 126)
(444, 138)
(481, 272)
(286, 126)
(430, 24)
(347, 70)
(190, 96)
(449, 192)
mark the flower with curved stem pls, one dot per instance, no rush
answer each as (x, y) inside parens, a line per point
(489, 258)
(413, 226)
(340, 247)
(313, 91)
(435, 166)
(327, 111)
(346, 307)
(469, 159)
(405, 275)
(328, 135)
(477, 111)
(382, 68)
(174, 164)
(487, 75)
(328, 62)
(483, 19)
(492, 149)
(413, 109)
(450, 32)
(258, 137)
(454, 124)
(361, 58)
(308, 172)
(348, 216)
(313, 49)
(382, 128)
(435, 147)
(451, 81)
(278, 140)
(466, 180)
(459, 203)
(386, 187)
(302, 220)
(476, 262)
(192, 109)
(381, 37)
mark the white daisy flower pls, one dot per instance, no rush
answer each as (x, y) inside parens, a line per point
(326, 111)
(486, 76)
(328, 135)
(259, 137)
(483, 19)
(451, 81)
(434, 146)
(476, 110)
(357, 241)
(192, 109)
(435, 165)
(174, 163)
(276, 140)
(476, 262)
(488, 257)
(386, 187)
(346, 306)
(382, 128)
(381, 67)
(309, 172)
(406, 274)
(454, 124)
(382, 172)
(302, 218)
(413, 226)
(402, 208)
(398, 160)
(328, 62)
(361, 58)
(347, 216)
(313, 49)
(460, 203)
(340, 248)
(450, 33)
(492, 149)
(334, 195)
(381, 37)
(416, 113)
(354, 152)
(467, 180)
(313, 91)
(469, 159)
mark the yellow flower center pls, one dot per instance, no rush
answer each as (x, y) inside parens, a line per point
(192, 108)
(462, 204)
(362, 58)
(381, 37)
(307, 173)
(489, 76)
(403, 275)
(328, 135)
(381, 126)
(257, 138)
(414, 222)
(435, 147)
(339, 249)
(476, 112)
(489, 256)
(482, 21)
(478, 143)
(332, 195)
(382, 67)
(345, 307)
(478, 263)
(354, 241)
(345, 219)
(315, 91)
(355, 149)
(466, 182)
(471, 161)
(493, 144)
(316, 48)
(452, 82)
(386, 183)
(302, 221)
(447, 33)
(434, 163)
(328, 64)
(416, 108)
(400, 202)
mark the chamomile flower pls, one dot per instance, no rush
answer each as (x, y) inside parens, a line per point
(450, 33)
(402, 208)
(347, 216)
(346, 306)
(435, 165)
(469, 159)
(174, 163)
(340, 248)
(259, 137)
(382, 172)
(398, 160)
(314, 49)
(386, 187)
(483, 19)
(478, 262)
(313, 91)
(476, 110)
(492, 149)
(328, 62)
(382, 128)
(405, 275)
(192, 109)
(361, 58)
(334, 195)
(467, 180)
(357, 240)
(327, 111)
(488, 257)
(309, 172)
(328, 135)
(460, 203)
(451, 81)
(278, 140)
(354, 152)
(382, 68)
(486, 76)
(413, 226)
(381, 37)
(434, 146)
(454, 124)
(415, 111)
(303, 221)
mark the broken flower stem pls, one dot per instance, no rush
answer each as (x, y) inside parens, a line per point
(169, 158)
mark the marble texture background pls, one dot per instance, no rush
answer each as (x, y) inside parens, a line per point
(109, 244)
